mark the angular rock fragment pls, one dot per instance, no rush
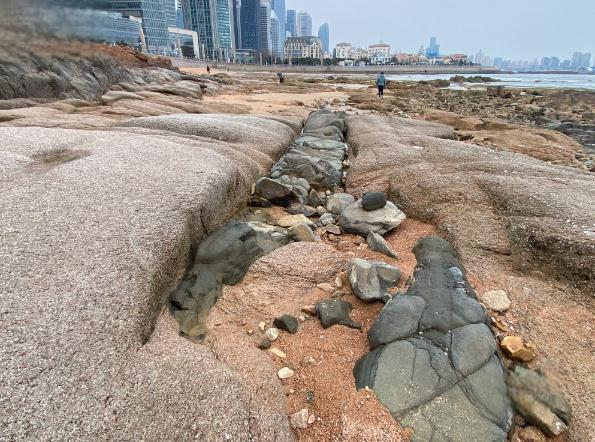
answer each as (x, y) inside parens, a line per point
(301, 232)
(293, 220)
(287, 323)
(433, 361)
(496, 300)
(299, 419)
(355, 219)
(370, 280)
(515, 347)
(378, 244)
(335, 312)
(537, 400)
(273, 189)
(338, 202)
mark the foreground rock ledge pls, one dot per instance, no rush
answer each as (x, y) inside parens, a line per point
(434, 364)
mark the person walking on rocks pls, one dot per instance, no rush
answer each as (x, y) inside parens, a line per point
(381, 84)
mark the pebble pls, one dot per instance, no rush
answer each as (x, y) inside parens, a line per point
(309, 360)
(326, 287)
(286, 323)
(311, 419)
(277, 352)
(301, 318)
(339, 282)
(496, 300)
(309, 309)
(516, 348)
(272, 333)
(285, 373)
(264, 344)
(262, 326)
(300, 419)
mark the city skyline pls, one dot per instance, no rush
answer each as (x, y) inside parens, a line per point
(531, 23)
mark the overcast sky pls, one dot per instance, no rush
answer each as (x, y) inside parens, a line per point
(513, 29)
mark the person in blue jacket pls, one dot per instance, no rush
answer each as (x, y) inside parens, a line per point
(381, 84)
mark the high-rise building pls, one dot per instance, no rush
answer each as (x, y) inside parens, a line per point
(155, 21)
(256, 26)
(276, 50)
(237, 28)
(433, 50)
(279, 7)
(586, 62)
(291, 23)
(303, 24)
(211, 20)
(170, 12)
(324, 35)
(179, 15)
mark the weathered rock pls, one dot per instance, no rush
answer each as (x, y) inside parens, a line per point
(370, 280)
(496, 300)
(301, 209)
(323, 118)
(327, 219)
(536, 399)
(433, 363)
(113, 96)
(378, 244)
(293, 220)
(373, 201)
(300, 419)
(337, 202)
(314, 200)
(335, 312)
(309, 360)
(326, 287)
(355, 219)
(301, 232)
(285, 373)
(287, 323)
(333, 229)
(273, 189)
(515, 347)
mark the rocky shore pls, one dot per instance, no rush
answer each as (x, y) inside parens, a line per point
(216, 257)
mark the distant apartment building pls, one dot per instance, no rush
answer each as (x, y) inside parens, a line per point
(433, 50)
(302, 47)
(324, 36)
(303, 24)
(379, 53)
(291, 23)
(343, 51)
(236, 8)
(154, 21)
(358, 54)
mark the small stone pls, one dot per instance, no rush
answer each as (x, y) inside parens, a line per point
(272, 333)
(499, 325)
(378, 244)
(262, 325)
(326, 287)
(287, 323)
(320, 210)
(516, 348)
(309, 309)
(277, 352)
(496, 300)
(250, 332)
(339, 282)
(311, 419)
(309, 360)
(264, 344)
(299, 419)
(301, 318)
(301, 233)
(331, 229)
(292, 220)
(327, 219)
(285, 373)
(335, 312)
(373, 201)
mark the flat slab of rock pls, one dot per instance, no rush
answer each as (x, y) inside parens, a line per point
(370, 280)
(496, 300)
(433, 363)
(354, 219)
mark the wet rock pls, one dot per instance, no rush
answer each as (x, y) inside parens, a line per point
(301, 232)
(355, 219)
(537, 400)
(335, 312)
(287, 323)
(496, 300)
(272, 334)
(433, 363)
(272, 189)
(299, 419)
(337, 202)
(373, 201)
(516, 348)
(285, 373)
(378, 244)
(370, 280)
(293, 220)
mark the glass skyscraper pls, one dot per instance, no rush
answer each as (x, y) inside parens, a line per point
(291, 23)
(279, 7)
(155, 21)
(212, 21)
(324, 35)
(304, 24)
(256, 26)
(225, 29)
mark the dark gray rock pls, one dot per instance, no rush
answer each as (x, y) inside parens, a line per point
(301, 209)
(223, 257)
(538, 401)
(338, 202)
(370, 280)
(265, 343)
(335, 312)
(373, 201)
(286, 323)
(314, 199)
(378, 244)
(355, 219)
(433, 361)
(323, 118)
(327, 133)
(273, 189)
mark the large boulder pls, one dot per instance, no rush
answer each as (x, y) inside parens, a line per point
(323, 118)
(433, 361)
(370, 280)
(355, 219)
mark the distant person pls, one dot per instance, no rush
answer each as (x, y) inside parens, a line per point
(208, 70)
(281, 77)
(381, 84)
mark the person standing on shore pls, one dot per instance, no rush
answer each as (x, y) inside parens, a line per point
(381, 84)
(208, 70)
(281, 77)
